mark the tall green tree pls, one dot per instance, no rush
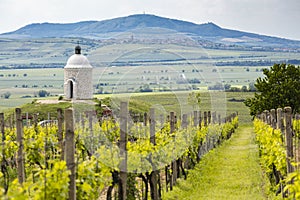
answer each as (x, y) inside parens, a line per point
(279, 87)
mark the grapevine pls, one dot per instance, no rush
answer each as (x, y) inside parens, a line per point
(273, 156)
(98, 156)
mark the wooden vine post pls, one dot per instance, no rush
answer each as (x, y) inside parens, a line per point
(273, 119)
(60, 132)
(196, 118)
(297, 144)
(3, 168)
(174, 163)
(289, 138)
(145, 118)
(154, 174)
(264, 116)
(11, 121)
(180, 163)
(20, 156)
(200, 119)
(280, 120)
(205, 118)
(268, 118)
(123, 151)
(214, 117)
(2, 134)
(90, 119)
(2, 130)
(70, 152)
(152, 126)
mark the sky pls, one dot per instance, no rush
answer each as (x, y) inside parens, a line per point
(278, 18)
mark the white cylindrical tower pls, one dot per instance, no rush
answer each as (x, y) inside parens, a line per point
(78, 74)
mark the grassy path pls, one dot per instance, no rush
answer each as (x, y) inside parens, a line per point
(230, 172)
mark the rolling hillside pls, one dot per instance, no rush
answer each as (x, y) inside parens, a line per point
(144, 26)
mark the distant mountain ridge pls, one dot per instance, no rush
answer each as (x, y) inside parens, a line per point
(136, 23)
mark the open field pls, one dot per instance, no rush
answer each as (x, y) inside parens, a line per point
(129, 78)
(54, 52)
(223, 103)
(131, 67)
(23, 84)
(127, 68)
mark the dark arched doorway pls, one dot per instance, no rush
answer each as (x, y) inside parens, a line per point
(71, 88)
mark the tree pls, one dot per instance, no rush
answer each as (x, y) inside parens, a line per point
(6, 95)
(145, 88)
(219, 86)
(244, 88)
(43, 93)
(279, 88)
(252, 87)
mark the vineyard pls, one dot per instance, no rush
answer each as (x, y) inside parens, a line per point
(120, 157)
(278, 137)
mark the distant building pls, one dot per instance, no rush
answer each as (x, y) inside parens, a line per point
(78, 75)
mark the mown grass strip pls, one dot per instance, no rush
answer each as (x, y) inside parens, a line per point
(232, 171)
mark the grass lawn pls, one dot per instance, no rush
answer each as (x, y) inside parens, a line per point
(165, 102)
(232, 171)
(223, 103)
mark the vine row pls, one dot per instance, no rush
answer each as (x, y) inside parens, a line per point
(154, 156)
